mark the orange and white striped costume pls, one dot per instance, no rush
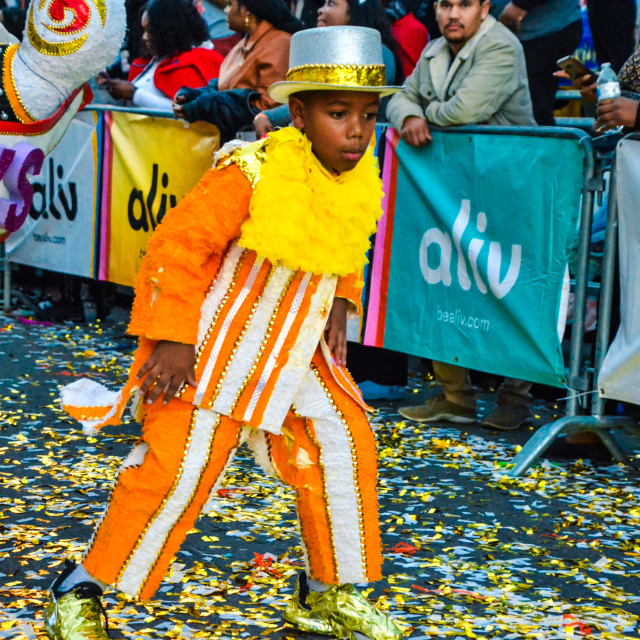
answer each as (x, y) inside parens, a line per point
(264, 373)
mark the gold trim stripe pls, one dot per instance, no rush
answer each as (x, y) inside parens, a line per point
(245, 327)
(369, 75)
(52, 48)
(10, 87)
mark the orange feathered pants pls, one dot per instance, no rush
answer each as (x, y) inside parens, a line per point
(326, 451)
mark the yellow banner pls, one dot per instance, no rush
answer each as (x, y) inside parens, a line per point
(149, 164)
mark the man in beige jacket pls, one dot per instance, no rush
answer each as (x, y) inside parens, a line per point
(474, 74)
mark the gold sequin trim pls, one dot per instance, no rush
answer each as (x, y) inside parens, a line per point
(249, 160)
(10, 88)
(345, 75)
(52, 48)
(223, 304)
(100, 6)
(185, 386)
(354, 459)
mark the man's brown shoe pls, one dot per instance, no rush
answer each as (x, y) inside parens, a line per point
(439, 409)
(506, 417)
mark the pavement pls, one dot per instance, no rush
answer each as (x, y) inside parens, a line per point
(469, 552)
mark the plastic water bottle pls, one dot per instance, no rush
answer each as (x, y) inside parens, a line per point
(608, 87)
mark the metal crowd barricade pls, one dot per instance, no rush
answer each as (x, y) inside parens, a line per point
(110, 157)
(417, 167)
(5, 262)
(588, 416)
(584, 412)
(151, 113)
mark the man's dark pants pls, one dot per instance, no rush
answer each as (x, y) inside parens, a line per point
(612, 25)
(541, 55)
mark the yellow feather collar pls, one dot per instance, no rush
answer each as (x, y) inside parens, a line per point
(305, 218)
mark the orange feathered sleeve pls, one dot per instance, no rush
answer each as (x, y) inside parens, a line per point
(184, 253)
(350, 288)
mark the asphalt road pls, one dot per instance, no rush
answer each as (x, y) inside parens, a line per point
(468, 552)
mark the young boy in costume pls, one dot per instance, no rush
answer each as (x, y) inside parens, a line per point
(240, 285)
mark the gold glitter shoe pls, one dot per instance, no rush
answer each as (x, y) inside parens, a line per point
(345, 612)
(76, 615)
(300, 614)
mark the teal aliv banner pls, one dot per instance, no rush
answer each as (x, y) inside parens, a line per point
(471, 255)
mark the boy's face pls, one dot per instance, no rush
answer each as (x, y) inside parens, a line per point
(339, 124)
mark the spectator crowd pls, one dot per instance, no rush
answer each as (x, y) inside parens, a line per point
(460, 62)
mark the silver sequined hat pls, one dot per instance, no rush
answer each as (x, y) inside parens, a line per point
(334, 58)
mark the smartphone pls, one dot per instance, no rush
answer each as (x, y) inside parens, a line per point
(576, 69)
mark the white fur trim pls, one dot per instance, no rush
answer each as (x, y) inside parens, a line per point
(257, 442)
(87, 393)
(212, 500)
(136, 456)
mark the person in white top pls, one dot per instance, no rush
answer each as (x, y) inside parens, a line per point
(180, 54)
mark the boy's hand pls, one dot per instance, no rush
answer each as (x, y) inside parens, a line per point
(415, 131)
(171, 365)
(336, 331)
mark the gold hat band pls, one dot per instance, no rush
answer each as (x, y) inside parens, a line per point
(361, 75)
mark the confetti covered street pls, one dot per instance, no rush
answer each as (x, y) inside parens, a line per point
(469, 552)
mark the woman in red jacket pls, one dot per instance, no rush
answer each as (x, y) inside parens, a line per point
(180, 54)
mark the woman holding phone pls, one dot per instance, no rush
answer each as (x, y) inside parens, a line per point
(619, 112)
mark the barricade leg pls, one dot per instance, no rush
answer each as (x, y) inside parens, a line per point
(601, 425)
(606, 290)
(6, 287)
(577, 374)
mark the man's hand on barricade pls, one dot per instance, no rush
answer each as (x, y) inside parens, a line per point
(512, 17)
(619, 112)
(336, 331)
(415, 132)
(171, 365)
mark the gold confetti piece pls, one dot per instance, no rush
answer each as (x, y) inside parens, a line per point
(491, 556)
